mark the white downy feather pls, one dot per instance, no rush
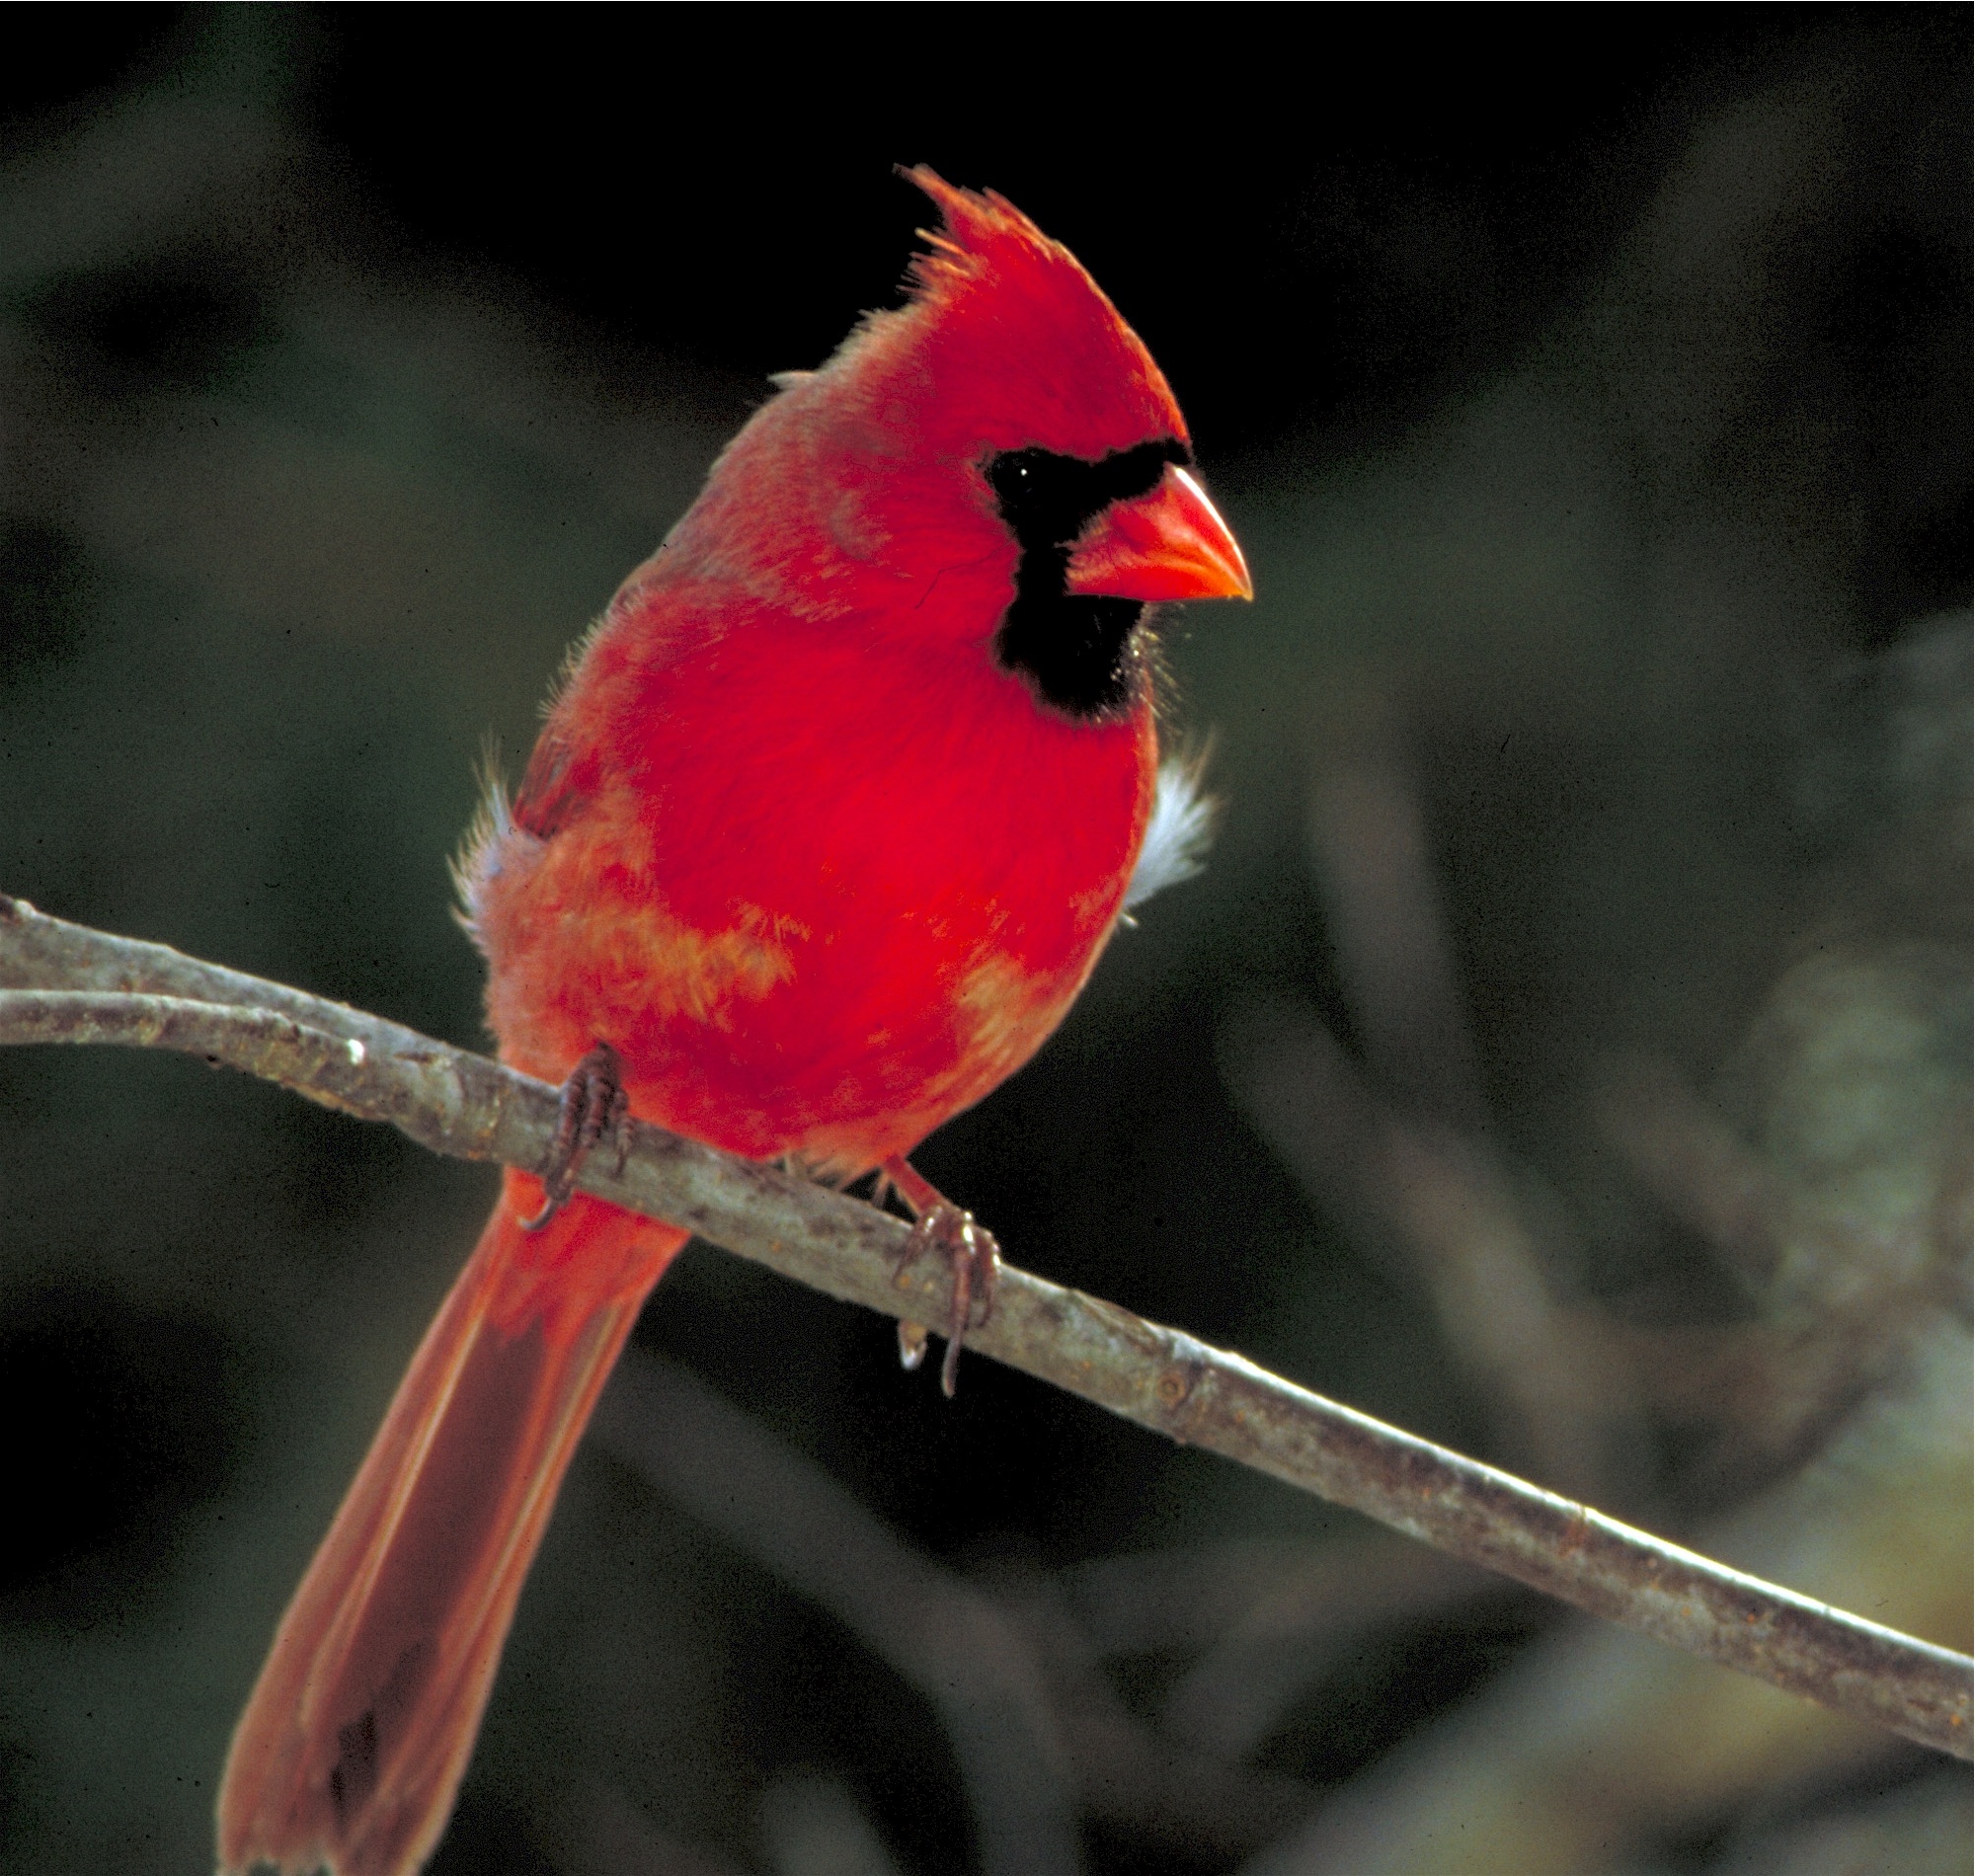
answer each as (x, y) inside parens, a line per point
(1179, 833)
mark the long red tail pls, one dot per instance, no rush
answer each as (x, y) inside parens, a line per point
(352, 1748)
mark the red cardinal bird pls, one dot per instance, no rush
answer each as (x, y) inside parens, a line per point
(839, 802)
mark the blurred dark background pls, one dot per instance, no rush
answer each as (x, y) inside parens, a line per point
(1565, 1054)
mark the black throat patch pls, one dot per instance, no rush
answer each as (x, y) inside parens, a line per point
(1082, 656)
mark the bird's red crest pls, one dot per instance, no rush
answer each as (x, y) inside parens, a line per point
(1012, 340)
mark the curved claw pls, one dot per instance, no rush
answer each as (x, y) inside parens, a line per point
(912, 1345)
(593, 1105)
(970, 1254)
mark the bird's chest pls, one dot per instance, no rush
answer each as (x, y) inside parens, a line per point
(850, 909)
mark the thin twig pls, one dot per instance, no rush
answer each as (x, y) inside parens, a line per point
(966, 1657)
(1240, 1690)
(120, 990)
(1193, 1597)
(1447, 1198)
(1132, 1776)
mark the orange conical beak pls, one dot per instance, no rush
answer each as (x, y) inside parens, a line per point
(1169, 544)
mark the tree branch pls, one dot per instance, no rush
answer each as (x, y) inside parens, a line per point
(65, 984)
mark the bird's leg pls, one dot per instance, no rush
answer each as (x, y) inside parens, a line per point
(971, 1253)
(593, 1105)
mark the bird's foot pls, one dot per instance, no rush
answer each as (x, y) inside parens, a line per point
(970, 1254)
(593, 1105)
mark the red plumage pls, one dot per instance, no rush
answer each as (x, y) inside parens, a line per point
(824, 860)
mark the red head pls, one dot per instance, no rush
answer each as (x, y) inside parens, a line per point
(1013, 344)
(1004, 439)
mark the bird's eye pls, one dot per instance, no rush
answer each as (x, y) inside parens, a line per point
(1013, 476)
(1047, 498)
